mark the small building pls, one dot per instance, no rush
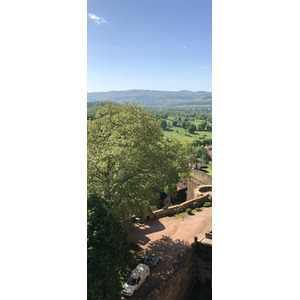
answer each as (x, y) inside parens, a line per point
(197, 166)
(182, 186)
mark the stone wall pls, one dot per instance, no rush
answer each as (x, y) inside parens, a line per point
(204, 263)
(193, 270)
(192, 185)
(205, 188)
(202, 177)
(179, 207)
(175, 286)
(202, 288)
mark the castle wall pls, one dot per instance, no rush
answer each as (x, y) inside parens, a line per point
(194, 268)
(177, 208)
(203, 178)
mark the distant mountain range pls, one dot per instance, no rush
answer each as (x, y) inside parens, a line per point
(154, 98)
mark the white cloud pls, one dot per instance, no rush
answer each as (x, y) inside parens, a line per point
(204, 68)
(98, 20)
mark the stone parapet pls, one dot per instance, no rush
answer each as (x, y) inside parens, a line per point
(177, 208)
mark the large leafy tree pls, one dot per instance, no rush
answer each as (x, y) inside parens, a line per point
(129, 159)
(202, 153)
(208, 127)
(163, 124)
(201, 126)
(191, 128)
(107, 254)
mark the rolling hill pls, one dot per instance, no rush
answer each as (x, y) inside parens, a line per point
(154, 98)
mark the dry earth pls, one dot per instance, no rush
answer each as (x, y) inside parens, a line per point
(167, 237)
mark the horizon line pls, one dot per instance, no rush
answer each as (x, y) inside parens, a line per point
(148, 90)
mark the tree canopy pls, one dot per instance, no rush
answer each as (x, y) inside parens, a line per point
(129, 159)
(202, 153)
(208, 127)
(191, 128)
(107, 254)
(163, 124)
(201, 126)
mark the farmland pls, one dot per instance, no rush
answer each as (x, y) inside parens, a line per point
(188, 124)
(184, 136)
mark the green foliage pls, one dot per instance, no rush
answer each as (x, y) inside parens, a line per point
(177, 210)
(164, 116)
(208, 127)
(153, 207)
(209, 118)
(188, 210)
(171, 190)
(179, 134)
(202, 153)
(198, 209)
(97, 104)
(204, 142)
(201, 126)
(195, 204)
(91, 113)
(163, 124)
(207, 204)
(185, 124)
(107, 253)
(191, 128)
(205, 158)
(207, 141)
(128, 158)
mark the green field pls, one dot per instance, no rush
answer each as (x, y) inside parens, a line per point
(207, 169)
(183, 135)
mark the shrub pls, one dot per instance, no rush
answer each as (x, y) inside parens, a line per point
(198, 209)
(153, 207)
(207, 204)
(177, 210)
(195, 204)
(188, 210)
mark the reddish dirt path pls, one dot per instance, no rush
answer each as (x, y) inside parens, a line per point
(167, 237)
(183, 229)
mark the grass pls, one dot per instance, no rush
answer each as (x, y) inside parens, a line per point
(180, 215)
(207, 169)
(184, 214)
(184, 135)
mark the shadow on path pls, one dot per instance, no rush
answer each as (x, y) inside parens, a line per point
(138, 234)
(169, 252)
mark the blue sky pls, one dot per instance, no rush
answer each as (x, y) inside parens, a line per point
(149, 44)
